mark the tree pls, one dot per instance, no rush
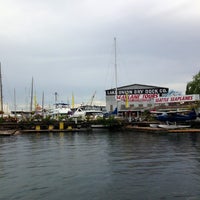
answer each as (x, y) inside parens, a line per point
(193, 87)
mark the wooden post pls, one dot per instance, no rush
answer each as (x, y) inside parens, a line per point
(50, 127)
(37, 128)
(61, 125)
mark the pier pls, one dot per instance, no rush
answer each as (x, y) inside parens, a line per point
(15, 128)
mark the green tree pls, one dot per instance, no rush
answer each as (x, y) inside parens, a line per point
(193, 87)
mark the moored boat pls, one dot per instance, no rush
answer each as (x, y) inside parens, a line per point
(7, 132)
(61, 109)
(88, 111)
(173, 126)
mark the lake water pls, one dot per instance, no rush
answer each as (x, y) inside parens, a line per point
(100, 165)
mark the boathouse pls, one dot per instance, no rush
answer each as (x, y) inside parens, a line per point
(133, 98)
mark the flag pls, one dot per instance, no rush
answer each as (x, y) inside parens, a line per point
(72, 100)
(126, 101)
(35, 101)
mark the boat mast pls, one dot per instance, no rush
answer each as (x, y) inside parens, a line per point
(15, 106)
(1, 92)
(43, 104)
(31, 104)
(116, 72)
(56, 98)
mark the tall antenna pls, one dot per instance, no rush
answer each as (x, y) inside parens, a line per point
(1, 92)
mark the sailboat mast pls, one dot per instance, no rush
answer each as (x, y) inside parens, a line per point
(115, 69)
(15, 107)
(43, 104)
(31, 104)
(116, 76)
(1, 92)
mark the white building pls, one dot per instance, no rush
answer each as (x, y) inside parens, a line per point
(134, 97)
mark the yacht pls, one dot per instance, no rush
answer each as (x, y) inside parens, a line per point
(93, 112)
(61, 109)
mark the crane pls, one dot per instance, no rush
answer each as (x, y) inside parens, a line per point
(92, 99)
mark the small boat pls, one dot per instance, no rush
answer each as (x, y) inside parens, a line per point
(7, 132)
(153, 125)
(60, 110)
(88, 111)
(173, 126)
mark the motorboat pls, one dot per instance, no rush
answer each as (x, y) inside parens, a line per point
(153, 125)
(61, 109)
(173, 126)
(92, 112)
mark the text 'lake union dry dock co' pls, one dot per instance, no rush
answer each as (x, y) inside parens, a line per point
(136, 98)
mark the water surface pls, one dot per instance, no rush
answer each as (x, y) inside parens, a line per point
(100, 165)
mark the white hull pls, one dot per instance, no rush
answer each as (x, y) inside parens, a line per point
(154, 125)
(7, 132)
(87, 111)
(60, 109)
(173, 126)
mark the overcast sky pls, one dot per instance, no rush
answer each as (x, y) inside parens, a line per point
(67, 46)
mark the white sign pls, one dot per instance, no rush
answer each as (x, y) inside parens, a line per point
(173, 99)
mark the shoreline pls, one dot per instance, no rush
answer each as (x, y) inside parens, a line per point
(38, 127)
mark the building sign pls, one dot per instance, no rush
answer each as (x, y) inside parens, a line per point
(137, 97)
(159, 91)
(173, 99)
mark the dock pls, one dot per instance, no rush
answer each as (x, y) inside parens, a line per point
(162, 130)
(7, 132)
(53, 130)
(8, 129)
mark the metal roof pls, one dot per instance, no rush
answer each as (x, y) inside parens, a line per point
(136, 86)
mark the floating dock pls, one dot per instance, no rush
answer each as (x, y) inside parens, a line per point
(8, 129)
(162, 130)
(7, 132)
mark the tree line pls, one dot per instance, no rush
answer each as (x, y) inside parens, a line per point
(193, 87)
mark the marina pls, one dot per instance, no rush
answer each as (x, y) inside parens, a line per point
(100, 100)
(145, 108)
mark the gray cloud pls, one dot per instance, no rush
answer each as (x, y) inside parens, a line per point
(67, 46)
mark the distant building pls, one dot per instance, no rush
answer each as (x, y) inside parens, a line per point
(135, 97)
